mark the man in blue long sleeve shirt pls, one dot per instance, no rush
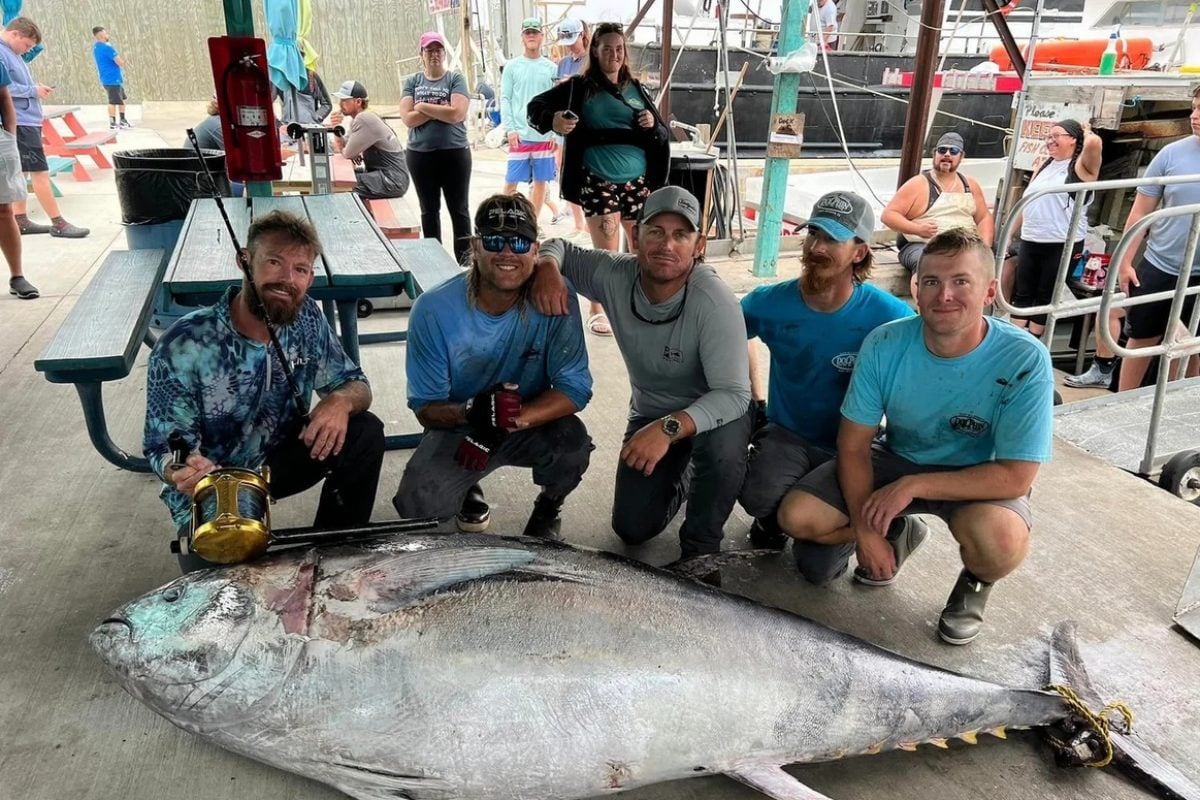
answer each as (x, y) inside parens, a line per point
(494, 382)
(21, 36)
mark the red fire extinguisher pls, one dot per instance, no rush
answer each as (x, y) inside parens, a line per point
(243, 92)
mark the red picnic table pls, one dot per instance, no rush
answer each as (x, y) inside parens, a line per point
(76, 143)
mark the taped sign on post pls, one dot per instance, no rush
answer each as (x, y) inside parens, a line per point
(786, 136)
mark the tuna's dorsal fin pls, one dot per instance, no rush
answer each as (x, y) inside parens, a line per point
(773, 782)
(401, 579)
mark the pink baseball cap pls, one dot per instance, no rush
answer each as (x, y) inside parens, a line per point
(431, 38)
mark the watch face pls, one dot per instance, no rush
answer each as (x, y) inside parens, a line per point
(670, 426)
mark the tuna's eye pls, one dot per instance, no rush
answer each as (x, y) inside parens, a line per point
(172, 594)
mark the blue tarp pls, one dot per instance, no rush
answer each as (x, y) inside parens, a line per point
(283, 54)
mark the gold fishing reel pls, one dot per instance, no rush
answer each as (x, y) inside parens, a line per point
(231, 515)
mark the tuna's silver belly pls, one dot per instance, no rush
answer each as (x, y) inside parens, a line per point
(564, 688)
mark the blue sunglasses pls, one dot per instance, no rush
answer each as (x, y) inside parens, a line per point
(951, 151)
(494, 243)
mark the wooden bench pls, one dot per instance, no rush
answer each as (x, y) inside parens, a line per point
(100, 338)
(89, 146)
(57, 165)
(402, 225)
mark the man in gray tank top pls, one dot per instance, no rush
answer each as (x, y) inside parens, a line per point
(681, 333)
(384, 173)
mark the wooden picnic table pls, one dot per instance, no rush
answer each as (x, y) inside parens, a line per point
(77, 142)
(358, 261)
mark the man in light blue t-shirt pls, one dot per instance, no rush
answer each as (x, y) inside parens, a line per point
(968, 401)
(110, 68)
(530, 153)
(813, 327)
(494, 382)
(1159, 268)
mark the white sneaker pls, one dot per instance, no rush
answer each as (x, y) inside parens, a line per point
(1095, 377)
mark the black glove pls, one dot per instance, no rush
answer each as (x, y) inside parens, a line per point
(495, 409)
(476, 448)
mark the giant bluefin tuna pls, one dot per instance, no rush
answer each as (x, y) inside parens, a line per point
(477, 667)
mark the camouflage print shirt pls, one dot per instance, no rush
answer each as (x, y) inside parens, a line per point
(227, 394)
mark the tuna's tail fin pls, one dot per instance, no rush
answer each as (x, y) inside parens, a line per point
(1130, 754)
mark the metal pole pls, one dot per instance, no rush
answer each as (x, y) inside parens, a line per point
(468, 58)
(928, 39)
(1004, 189)
(637, 19)
(775, 171)
(1006, 37)
(664, 91)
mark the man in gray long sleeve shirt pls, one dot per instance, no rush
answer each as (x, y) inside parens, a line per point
(681, 333)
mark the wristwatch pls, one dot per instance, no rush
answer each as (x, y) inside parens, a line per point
(671, 426)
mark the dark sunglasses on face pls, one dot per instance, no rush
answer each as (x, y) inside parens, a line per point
(495, 243)
(949, 151)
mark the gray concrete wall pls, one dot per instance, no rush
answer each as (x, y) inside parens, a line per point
(165, 43)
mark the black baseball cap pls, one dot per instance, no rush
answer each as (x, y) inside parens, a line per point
(504, 215)
(351, 89)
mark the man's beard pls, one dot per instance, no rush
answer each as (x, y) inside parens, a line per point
(281, 312)
(817, 278)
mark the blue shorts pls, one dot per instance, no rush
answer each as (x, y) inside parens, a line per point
(529, 162)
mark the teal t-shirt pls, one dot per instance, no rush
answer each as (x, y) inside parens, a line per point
(614, 162)
(994, 403)
(813, 352)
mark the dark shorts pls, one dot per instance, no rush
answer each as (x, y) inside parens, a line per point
(116, 94)
(599, 197)
(1037, 267)
(823, 484)
(1149, 321)
(910, 254)
(29, 145)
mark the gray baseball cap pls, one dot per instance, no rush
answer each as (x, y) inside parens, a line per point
(951, 139)
(674, 200)
(843, 216)
(351, 89)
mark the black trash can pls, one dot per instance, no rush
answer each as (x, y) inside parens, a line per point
(155, 189)
(156, 186)
(690, 170)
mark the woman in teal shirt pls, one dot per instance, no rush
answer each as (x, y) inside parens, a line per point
(616, 148)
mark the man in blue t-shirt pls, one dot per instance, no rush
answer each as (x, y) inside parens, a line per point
(494, 381)
(813, 327)
(968, 401)
(1160, 266)
(110, 68)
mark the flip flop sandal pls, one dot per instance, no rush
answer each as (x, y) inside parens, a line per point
(598, 325)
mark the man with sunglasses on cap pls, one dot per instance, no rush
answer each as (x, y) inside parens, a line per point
(370, 141)
(937, 200)
(682, 337)
(813, 327)
(494, 382)
(530, 153)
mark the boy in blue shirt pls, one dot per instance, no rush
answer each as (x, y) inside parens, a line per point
(494, 381)
(968, 401)
(813, 327)
(110, 66)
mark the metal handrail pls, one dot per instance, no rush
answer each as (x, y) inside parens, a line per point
(1173, 347)
(1060, 308)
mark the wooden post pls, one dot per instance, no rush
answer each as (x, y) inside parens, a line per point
(775, 173)
(468, 58)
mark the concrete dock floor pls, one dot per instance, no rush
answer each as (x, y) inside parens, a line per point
(78, 537)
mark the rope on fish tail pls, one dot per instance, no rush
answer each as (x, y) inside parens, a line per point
(1099, 722)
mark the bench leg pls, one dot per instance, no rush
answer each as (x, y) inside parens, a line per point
(93, 414)
(347, 311)
(79, 172)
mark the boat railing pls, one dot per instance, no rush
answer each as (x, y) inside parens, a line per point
(1178, 342)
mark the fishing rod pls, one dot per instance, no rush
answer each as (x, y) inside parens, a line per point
(256, 300)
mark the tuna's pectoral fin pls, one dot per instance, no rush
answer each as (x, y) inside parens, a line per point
(773, 782)
(396, 582)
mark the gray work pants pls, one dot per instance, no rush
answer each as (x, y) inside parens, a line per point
(434, 485)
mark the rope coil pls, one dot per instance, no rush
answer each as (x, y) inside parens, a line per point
(1098, 723)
